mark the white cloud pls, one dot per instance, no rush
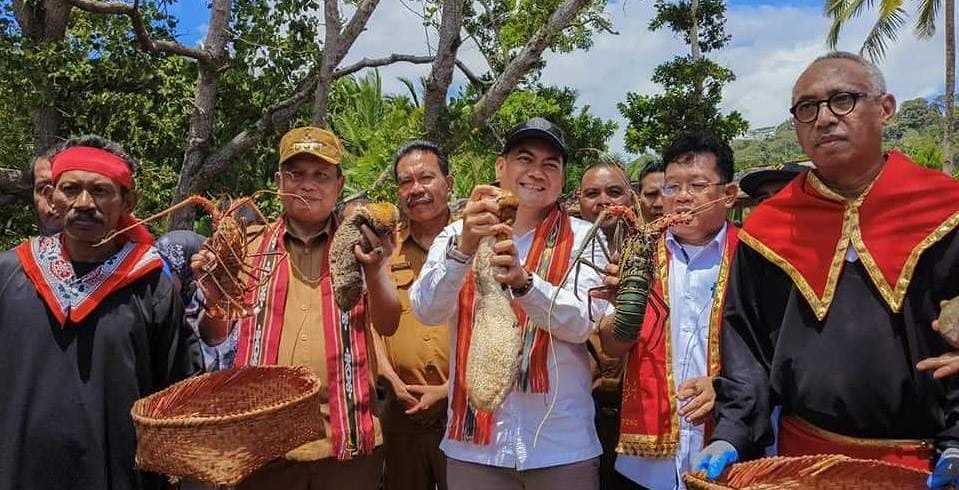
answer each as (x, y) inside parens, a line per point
(771, 44)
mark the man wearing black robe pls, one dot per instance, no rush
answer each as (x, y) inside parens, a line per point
(84, 332)
(832, 295)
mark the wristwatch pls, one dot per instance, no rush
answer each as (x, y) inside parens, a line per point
(522, 290)
(454, 253)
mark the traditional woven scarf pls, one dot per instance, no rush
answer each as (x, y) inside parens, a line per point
(649, 422)
(348, 370)
(71, 299)
(549, 258)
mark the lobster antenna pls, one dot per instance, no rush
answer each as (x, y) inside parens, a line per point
(184, 203)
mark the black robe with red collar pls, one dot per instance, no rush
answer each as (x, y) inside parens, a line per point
(832, 340)
(68, 382)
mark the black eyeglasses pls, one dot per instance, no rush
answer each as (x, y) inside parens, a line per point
(840, 103)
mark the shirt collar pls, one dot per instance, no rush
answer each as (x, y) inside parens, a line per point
(312, 239)
(713, 248)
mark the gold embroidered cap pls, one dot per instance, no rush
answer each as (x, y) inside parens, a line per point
(308, 140)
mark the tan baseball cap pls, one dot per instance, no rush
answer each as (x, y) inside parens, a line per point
(311, 141)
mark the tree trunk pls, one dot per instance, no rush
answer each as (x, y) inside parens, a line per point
(43, 22)
(203, 118)
(436, 116)
(949, 100)
(338, 41)
(694, 31)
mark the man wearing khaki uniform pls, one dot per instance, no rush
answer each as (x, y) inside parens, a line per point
(297, 323)
(415, 359)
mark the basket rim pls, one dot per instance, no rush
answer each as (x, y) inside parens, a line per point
(209, 420)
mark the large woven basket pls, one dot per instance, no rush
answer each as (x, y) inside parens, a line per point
(826, 471)
(219, 428)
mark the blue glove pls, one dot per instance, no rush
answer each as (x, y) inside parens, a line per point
(714, 459)
(946, 471)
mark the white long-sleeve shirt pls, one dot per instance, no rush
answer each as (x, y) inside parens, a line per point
(569, 434)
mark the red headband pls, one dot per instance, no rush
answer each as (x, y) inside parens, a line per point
(94, 160)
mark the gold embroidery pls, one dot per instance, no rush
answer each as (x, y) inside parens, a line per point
(852, 235)
(716, 314)
(819, 305)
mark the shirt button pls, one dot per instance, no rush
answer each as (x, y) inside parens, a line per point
(304, 307)
(304, 338)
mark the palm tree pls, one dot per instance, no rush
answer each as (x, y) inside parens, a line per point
(892, 17)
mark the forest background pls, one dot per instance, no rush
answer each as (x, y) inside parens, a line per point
(204, 112)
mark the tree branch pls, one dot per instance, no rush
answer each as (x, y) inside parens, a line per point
(478, 82)
(355, 26)
(520, 66)
(273, 117)
(377, 62)
(147, 43)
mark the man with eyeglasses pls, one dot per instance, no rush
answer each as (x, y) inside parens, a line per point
(833, 290)
(296, 322)
(672, 357)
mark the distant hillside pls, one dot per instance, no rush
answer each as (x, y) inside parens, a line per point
(916, 129)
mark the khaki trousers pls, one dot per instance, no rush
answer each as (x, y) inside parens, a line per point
(583, 475)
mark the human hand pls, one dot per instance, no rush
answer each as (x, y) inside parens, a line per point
(203, 263)
(429, 395)
(380, 250)
(506, 258)
(942, 366)
(699, 397)
(479, 216)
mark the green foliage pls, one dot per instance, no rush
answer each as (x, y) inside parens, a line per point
(692, 88)
(690, 101)
(100, 81)
(916, 130)
(502, 27)
(586, 134)
(372, 126)
(677, 18)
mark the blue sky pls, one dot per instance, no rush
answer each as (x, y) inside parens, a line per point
(772, 41)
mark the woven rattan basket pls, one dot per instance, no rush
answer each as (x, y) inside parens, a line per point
(812, 472)
(220, 427)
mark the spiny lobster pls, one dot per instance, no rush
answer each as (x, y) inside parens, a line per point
(231, 272)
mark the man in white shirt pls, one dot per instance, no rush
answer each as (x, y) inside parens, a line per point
(500, 449)
(667, 388)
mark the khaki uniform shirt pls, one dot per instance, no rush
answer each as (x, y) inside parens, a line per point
(420, 354)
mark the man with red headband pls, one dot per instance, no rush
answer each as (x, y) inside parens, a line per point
(85, 329)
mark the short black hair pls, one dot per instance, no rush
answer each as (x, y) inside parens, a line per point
(611, 162)
(30, 175)
(422, 145)
(654, 167)
(695, 142)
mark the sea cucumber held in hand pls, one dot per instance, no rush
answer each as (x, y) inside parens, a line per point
(381, 218)
(497, 339)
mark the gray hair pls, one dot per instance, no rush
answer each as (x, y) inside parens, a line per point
(876, 79)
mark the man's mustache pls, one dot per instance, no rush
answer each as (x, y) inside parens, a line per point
(419, 199)
(86, 217)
